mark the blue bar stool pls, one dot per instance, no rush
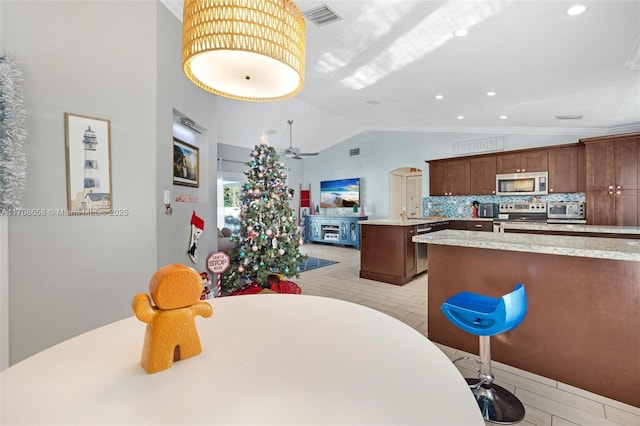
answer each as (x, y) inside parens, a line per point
(486, 316)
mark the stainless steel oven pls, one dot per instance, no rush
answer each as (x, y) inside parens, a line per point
(520, 212)
(566, 212)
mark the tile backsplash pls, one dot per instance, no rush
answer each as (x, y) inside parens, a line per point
(460, 206)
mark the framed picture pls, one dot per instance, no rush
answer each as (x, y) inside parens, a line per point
(186, 164)
(88, 155)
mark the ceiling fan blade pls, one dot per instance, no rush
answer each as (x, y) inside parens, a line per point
(292, 152)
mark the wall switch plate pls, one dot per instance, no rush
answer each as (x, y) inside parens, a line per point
(167, 197)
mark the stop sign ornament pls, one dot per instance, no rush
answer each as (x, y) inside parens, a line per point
(218, 262)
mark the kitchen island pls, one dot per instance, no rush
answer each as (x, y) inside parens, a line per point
(389, 255)
(387, 252)
(581, 326)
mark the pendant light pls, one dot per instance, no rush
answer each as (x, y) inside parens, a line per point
(250, 50)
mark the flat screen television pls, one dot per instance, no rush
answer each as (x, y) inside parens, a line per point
(340, 193)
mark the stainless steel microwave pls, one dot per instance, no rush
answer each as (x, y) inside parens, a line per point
(533, 183)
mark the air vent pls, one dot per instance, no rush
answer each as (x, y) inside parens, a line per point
(569, 117)
(321, 15)
(354, 151)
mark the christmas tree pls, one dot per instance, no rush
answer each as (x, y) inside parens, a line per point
(269, 237)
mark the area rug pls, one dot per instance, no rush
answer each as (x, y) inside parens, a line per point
(315, 263)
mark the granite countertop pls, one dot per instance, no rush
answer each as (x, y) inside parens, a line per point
(572, 228)
(418, 221)
(602, 248)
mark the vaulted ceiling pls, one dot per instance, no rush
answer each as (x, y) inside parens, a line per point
(381, 65)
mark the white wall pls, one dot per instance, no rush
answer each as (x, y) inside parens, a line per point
(72, 274)
(4, 292)
(176, 92)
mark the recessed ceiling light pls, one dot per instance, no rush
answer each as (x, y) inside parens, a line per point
(460, 33)
(503, 117)
(460, 117)
(439, 97)
(372, 102)
(491, 93)
(576, 10)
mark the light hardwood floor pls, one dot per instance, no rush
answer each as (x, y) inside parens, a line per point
(546, 401)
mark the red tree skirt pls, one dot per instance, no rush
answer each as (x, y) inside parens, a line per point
(287, 287)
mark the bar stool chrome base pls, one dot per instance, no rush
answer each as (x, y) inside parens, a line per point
(497, 404)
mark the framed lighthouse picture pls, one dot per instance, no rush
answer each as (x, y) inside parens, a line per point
(88, 149)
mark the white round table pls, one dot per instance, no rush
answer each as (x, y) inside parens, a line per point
(267, 359)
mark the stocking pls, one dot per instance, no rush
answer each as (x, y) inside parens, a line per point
(197, 226)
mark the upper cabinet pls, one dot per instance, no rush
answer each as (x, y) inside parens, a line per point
(483, 175)
(612, 180)
(449, 177)
(522, 161)
(566, 169)
(476, 175)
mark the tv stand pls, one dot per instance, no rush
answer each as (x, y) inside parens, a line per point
(340, 230)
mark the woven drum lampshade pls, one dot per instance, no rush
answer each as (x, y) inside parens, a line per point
(251, 50)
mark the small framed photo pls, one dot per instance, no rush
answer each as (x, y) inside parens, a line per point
(186, 164)
(88, 156)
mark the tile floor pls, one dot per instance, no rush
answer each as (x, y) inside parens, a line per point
(546, 401)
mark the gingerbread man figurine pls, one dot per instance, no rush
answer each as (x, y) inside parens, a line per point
(171, 329)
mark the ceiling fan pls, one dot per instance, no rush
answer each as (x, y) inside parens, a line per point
(292, 152)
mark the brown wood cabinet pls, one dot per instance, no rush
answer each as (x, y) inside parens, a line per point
(476, 175)
(522, 161)
(387, 253)
(483, 175)
(472, 225)
(564, 169)
(480, 225)
(449, 177)
(612, 180)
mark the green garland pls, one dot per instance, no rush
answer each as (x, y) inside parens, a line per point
(13, 161)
